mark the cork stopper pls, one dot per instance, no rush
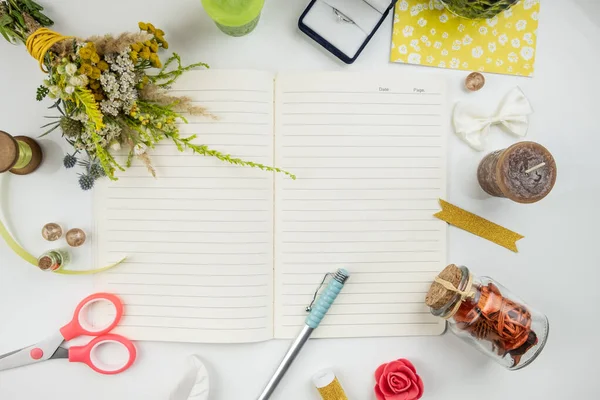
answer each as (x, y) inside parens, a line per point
(9, 151)
(438, 296)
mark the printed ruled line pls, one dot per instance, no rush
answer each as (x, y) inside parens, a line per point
(362, 252)
(363, 114)
(184, 198)
(194, 307)
(255, 178)
(368, 167)
(214, 264)
(363, 283)
(227, 123)
(238, 112)
(180, 209)
(198, 242)
(231, 101)
(187, 187)
(360, 262)
(365, 134)
(220, 90)
(190, 285)
(360, 146)
(336, 124)
(178, 274)
(201, 318)
(188, 253)
(365, 231)
(365, 272)
(181, 220)
(359, 241)
(367, 157)
(357, 189)
(362, 103)
(373, 323)
(212, 296)
(192, 329)
(360, 220)
(173, 231)
(339, 302)
(346, 293)
(433, 198)
(361, 92)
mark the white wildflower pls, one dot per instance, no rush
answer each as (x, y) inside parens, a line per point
(69, 89)
(70, 69)
(115, 145)
(55, 90)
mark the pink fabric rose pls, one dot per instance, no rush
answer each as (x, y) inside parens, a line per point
(398, 380)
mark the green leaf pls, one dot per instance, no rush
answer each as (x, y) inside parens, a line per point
(85, 98)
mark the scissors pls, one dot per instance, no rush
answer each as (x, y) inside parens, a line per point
(52, 347)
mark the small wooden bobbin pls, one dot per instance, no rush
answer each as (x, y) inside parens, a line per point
(9, 154)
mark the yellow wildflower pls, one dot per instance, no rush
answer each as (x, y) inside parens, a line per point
(159, 32)
(85, 53)
(95, 85)
(145, 79)
(133, 114)
(147, 43)
(143, 26)
(134, 56)
(165, 44)
(95, 58)
(102, 65)
(159, 125)
(145, 55)
(85, 69)
(136, 47)
(95, 73)
(98, 96)
(151, 28)
(154, 47)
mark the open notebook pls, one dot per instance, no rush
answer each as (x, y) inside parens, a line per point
(221, 253)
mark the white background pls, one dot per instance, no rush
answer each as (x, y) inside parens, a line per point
(557, 269)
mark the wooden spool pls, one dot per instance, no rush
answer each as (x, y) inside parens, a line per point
(9, 154)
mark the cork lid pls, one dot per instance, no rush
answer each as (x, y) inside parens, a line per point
(9, 151)
(527, 172)
(439, 296)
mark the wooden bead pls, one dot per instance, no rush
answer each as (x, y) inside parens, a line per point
(475, 81)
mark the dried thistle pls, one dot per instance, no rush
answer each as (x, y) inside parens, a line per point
(109, 44)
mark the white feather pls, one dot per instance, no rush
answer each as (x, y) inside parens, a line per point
(195, 384)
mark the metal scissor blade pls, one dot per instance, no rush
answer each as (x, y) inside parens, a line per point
(23, 357)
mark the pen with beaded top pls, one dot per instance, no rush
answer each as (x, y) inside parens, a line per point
(317, 312)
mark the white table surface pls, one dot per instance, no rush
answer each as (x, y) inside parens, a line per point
(557, 269)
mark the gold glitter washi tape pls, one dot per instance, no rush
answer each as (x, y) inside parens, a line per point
(478, 226)
(329, 386)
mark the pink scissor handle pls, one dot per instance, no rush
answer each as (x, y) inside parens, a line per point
(87, 354)
(79, 325)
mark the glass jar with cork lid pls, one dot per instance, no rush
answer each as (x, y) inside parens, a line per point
(487, 316)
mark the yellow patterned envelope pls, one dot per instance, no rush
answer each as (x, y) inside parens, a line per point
(426, 33)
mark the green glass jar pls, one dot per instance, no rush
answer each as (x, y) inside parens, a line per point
(478, 9)
(54, 260)
(234, 17)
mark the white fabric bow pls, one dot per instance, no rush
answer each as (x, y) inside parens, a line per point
(471, 127)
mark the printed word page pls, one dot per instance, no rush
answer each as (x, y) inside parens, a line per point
(369, 153)
(199, 237)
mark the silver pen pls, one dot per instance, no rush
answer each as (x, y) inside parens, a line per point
(317, 312)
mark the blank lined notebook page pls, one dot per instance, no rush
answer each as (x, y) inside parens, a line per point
(369, 153)
(199, 238)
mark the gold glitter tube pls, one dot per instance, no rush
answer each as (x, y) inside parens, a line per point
(329, 386)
